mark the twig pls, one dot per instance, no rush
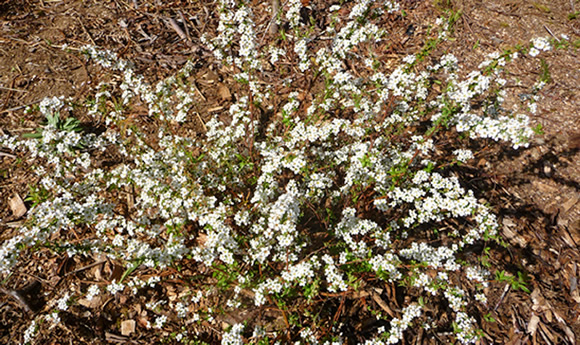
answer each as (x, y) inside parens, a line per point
(505, 291)
(377, 298)
(15, 224)
(184, 25)
(11, 89)
(173, 24)
(274, 25)
(200, 120)
(199, 92)
(550, 32)
(86, 32)
(18, 298)
(270, 23)
(7, 155)
(86, 267)
(20, 107)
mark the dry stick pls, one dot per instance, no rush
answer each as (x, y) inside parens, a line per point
(184, 25)
(86, 32)
(12, 89)
(198, 91)
(173, 24)
(272, 21)
(505, 291)
(550, 32)
(18, 298)
(275, 9)
(86, 267)
(7, 155)
(20, 107)
(202, 123)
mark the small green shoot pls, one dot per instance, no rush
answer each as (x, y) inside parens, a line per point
(519, 283)
(545, 72)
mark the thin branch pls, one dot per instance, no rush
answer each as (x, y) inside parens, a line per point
(275, 9)
(7, 155)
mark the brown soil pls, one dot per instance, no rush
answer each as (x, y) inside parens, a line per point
(536, 191)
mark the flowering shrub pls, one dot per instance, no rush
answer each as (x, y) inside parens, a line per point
(340, 191)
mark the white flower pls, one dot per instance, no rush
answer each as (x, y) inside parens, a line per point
(92, 291)
(463, 155)
(53, 318)
(409, 59)
(62, 302)
(160, 321)
(541, 43)
(29, 333)
(234, 335)
(114, 287)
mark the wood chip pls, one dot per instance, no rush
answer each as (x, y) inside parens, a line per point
(17, 206)
(95, 302)
(224, 92)
(143, 322)
(116, 272)
(547, 332)
(211, 77)
(545, 188)
(566, 206)
(510, 232)
(533, 325)
(570, 335)
(215, 109)
(111, 337)
(576, 295)
(127, 327)
(574, 141)
(375, 296)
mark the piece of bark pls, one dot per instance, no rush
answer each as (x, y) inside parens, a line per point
(127, 327)
(17, 206)
(275, 10)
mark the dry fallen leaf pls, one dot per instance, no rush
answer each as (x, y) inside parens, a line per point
(143, 321)
(127, 327)
(377, 298)
(17, 206)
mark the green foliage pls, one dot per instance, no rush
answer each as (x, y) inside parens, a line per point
(519, 283)
(37, 195)
(224, 275)
(545, 72)
(489, 318)
(131, 269)
(53, 120)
